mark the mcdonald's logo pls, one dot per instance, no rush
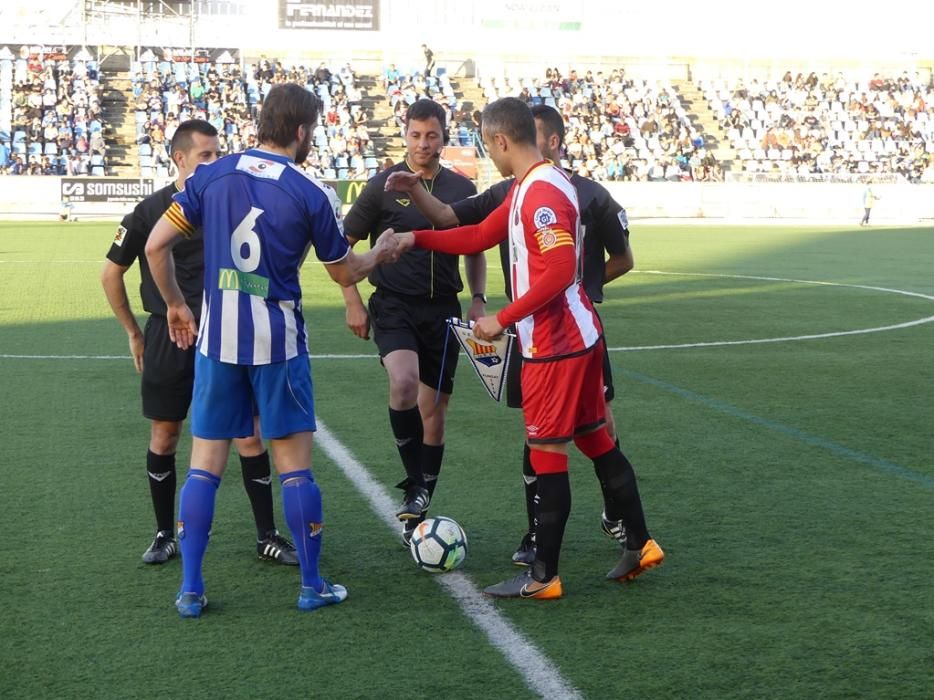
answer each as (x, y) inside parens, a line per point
(228, 279)
(354, 188)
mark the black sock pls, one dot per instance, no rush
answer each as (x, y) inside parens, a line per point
(431, 466)
(161, 469)
(407, 430)
(256, 483)
(531, 487)
(621, 496)
(553, 508)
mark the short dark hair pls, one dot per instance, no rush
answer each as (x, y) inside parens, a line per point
(182, 139)
(511, 117)
(551, 119)
(286, 107)
(424, 109)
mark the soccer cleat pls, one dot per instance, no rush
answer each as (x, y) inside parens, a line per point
(274, 547)
(524, 586)
(525, 554)
(408, 527)
(636, 561)
(414, 503)
(615, 529)
(331, 594)
(190, 604)
(162, 549)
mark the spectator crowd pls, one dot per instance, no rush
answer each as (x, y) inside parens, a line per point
(50, 114)
(618, 127)
(830, 124)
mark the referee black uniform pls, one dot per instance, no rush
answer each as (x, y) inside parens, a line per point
(605, 229)
(168, 373)
(415, 296)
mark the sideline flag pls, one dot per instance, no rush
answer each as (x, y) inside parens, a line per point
(489, 358)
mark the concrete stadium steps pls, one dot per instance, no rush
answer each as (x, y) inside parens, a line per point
(384, 134)
(120, 135)
(707, 125)
(117, 112)
(471, 95)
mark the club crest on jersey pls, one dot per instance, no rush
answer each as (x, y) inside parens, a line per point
(121, 234)
(404, 202)
(543, 217)
(314, 529)
(483, 353)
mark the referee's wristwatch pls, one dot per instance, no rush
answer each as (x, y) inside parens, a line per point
(480, 296)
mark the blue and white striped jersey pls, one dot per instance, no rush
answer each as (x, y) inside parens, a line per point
(259, 214)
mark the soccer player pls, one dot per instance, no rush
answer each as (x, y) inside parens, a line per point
(167, 372)
(411, 305)
(259, 215)
(607, 256)
(560, 337)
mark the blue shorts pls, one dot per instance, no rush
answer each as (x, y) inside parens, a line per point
(226, 397)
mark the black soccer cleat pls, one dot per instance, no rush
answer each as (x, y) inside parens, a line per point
(525, 553)
(414, 503)
(162, 549)
(274, 547)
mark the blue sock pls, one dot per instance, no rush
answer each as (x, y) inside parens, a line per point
(195, 513)
(301, 502)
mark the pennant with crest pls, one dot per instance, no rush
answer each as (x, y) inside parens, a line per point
(489, 358)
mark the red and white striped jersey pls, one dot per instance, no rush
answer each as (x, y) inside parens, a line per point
(544, 215)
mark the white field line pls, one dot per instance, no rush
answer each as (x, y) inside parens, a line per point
(756, 341)
(538, 672)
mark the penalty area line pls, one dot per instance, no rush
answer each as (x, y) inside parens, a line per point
(537, 670)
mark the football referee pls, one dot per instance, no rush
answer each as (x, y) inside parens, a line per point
(167, 372)
(414, 297)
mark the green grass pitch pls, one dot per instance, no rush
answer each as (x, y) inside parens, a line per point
(790, 483)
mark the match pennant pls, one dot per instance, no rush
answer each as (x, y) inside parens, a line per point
(489, 358)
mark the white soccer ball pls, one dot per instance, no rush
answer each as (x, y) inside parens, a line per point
(438, 545)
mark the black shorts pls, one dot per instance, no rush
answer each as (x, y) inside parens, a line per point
(419, 324)
(514, 376)
(168, 374)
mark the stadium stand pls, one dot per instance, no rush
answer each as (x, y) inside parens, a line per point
(832, 124)
(167, 92)
(618, 128)
(50, 114)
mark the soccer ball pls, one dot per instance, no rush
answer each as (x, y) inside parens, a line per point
(438, 545)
